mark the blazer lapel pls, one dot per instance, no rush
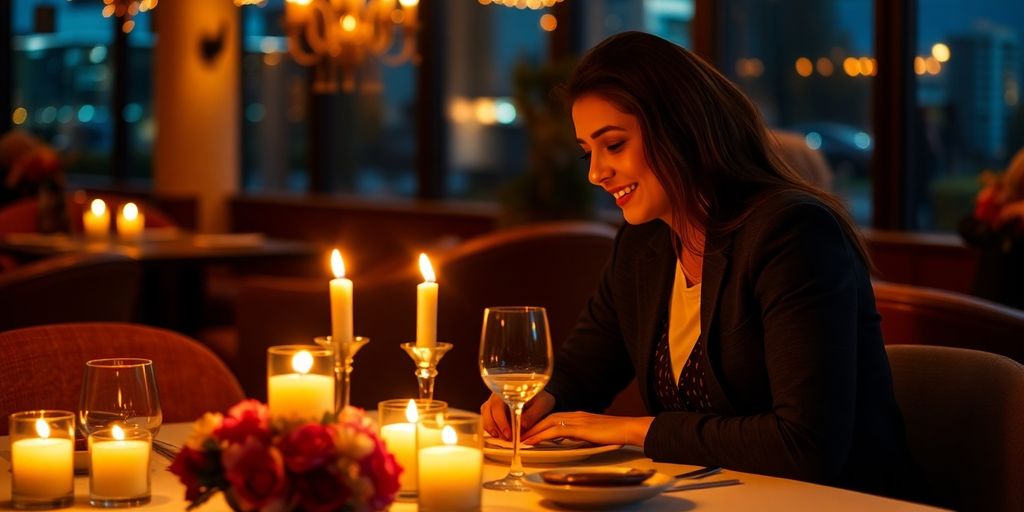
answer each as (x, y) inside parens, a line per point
(716, 261)
(654, 275)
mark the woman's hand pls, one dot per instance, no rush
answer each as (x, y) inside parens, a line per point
(596, 428)
(495, 414)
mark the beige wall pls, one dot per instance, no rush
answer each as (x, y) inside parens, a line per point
(197, 105)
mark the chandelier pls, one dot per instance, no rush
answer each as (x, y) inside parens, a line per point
(124, 10)
(334, 37)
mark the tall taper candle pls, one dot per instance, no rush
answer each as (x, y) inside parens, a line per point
(341, 301)
(426, 305)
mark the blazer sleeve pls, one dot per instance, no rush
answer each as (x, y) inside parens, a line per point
(593, 365)
(804, 277)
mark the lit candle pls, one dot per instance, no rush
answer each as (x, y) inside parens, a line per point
(341, 301)
(400, 439)
(300, 394)
(96, 219)
(130, 222)
(426, 305)
(42, 467)
(119, 465)
(450, 475)
(296, 11)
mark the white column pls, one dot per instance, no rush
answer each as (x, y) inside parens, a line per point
(197, 105)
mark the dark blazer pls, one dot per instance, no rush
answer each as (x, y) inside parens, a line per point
(798, 376)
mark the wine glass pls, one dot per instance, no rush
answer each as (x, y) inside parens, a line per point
(515, 362)
(119, 391)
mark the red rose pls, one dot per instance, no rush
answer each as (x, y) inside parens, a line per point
(308, 447)
(383, 470)
(321, 490)
(197, 470)
(256, 473)
(247, 419)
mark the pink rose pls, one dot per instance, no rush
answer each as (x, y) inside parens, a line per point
(321, 490)
(247, 419)
(383, 470)
(256, 473)
(197, 470)
(308, 447)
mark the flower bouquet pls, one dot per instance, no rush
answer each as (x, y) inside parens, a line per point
(278, 465)
(996, 228)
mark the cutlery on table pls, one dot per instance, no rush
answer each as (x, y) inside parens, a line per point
(704, 485)
(700, 473)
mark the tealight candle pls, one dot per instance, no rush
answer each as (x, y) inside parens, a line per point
(119, 467)
(42, 459)
(300, 382)
(96, 220)
(426, 305)
(450, 464)
(398, 419)
(130, 222)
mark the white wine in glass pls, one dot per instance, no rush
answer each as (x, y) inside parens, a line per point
(515, 363)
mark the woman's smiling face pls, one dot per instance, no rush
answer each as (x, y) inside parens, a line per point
(613, 144)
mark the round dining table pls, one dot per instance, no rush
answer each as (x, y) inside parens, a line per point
(755, 492)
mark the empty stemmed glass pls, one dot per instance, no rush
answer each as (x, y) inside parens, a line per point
(515, 362)
(119, 391)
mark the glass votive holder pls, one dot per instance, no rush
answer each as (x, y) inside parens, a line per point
(397, 419)
(119, 467)
(300, 382)
(451, 463)
(42, 459)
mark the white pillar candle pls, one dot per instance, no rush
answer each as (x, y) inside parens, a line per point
(341, 301)
(300, 394)
(96, 220)
(400, 439)
(130, 222)
(119, 468)
(426, 305)
(42, 467)
(450, 475)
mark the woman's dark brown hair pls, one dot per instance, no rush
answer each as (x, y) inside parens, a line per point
(704, 140)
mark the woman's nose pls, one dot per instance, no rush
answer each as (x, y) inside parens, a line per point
(598, 173)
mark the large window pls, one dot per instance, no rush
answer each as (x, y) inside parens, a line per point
(969, 66)
(808, 65)
(63, 79)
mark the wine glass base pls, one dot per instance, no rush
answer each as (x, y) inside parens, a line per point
(510, 484)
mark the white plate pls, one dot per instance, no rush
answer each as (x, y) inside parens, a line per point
(599, 497)
(548, 455)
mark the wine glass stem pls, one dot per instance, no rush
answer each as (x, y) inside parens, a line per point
(517, 416)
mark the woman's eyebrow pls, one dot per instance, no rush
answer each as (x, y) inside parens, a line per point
(600, 131)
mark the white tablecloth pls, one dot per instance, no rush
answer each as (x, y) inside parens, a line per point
(757, 492)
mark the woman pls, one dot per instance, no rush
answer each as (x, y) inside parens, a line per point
(737, 294)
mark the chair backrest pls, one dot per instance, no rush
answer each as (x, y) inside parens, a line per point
(964, 413)
(925, 316)
(555, 265)
(72, 288)
(42, 368)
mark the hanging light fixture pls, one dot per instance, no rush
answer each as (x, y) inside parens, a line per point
(335, 36)
(125, 10)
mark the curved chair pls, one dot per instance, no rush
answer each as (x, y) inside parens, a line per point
(915, 315)
(72, 288)
(42, 368)
(555, 265)
(963, 411)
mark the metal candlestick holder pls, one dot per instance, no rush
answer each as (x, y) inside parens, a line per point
(426, 359)
(343, 355)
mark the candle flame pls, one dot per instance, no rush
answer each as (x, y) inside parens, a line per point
(411, 413)
(130, 211)
(98, 207)
(337, 264)
(302, 361)
(448, 435)
(408, 3)
(117, 432)
(42, 428)
(427, 269)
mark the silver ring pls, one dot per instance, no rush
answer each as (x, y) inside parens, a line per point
(561, 423)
